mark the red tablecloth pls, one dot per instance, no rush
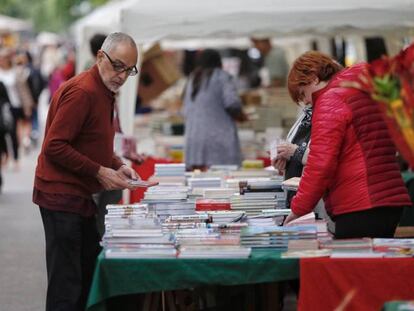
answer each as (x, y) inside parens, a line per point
(359, 284)
(145, 171)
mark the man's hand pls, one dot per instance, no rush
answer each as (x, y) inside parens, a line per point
(286, 151)
(134, 157)
(128, 173)
(290, 217)
(113, 180)
(280, 165)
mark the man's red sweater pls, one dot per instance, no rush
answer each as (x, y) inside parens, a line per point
(78, 137)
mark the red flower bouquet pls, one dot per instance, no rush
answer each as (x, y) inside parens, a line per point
(390, 81)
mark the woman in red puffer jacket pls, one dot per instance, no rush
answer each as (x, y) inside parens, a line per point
(351, 163)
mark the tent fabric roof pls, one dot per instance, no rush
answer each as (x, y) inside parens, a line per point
(8, 23)
(149, 20)
(105, 19)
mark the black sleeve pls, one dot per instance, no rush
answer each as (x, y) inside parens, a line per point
(299, 152)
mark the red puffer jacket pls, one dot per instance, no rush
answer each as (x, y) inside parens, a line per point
(351, 162)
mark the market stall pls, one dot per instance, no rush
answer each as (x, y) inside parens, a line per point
(151, 21)
(157, 20)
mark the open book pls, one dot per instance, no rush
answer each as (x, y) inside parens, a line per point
(142, 183)
(305, 219)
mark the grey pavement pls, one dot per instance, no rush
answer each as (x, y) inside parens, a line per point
(22, 259)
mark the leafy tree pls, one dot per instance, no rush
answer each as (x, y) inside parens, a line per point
(50, 15)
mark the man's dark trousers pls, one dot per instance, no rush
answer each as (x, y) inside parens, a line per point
(72, 245)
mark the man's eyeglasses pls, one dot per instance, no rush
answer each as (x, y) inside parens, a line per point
(120, 68)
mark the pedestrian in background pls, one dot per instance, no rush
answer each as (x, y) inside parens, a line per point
(211, 107)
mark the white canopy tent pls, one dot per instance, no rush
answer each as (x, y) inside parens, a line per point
(149, 20)
(11, 24)
(104, 19)
(153, 20)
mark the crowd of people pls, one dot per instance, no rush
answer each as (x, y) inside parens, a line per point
(24, 75)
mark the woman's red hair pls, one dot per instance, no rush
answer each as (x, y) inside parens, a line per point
(306, 68)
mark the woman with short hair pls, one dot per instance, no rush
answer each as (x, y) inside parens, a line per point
(351, 162)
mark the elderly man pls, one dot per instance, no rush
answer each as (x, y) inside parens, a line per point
(76, 161)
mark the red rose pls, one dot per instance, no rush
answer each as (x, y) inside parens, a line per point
(404, 61)
(409, 58)
(380, 67)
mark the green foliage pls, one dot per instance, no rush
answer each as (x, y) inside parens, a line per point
(15, 8)
(387, 88)
(49, 15)
(96, 3)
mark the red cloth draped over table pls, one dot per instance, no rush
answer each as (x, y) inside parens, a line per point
(355, 284)
(266, 161)
(145, 171)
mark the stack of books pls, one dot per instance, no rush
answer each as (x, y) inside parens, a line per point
(310, 253)
(165, 209)
(125, 213)
(212, 204)
(275, 237)
(305, 249)
(209, 243)
(394, 247)
(233, 179)
(266, 218)
(254, 205)
(166, 194)
(218, 193)
(177, 222)
(169, 174)
(303, 245)
(323, 234)
(259, 194)
(132, 234)
(225, 217)
(204, 182)
(350, 248)
(264, 184)
(229, 228)
(270, 188)
(213, 251)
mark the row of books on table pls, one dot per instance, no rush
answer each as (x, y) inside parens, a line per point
(133, 231)
(353, 248)
(191, 237)
(176, 221)
(225, 214)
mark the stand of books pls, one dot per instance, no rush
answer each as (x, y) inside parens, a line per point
(226, 214)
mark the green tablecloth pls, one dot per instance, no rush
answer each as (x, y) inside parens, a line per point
(398, 306)
(114, 277)
(407, 176)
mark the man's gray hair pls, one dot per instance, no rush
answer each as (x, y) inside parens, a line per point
(114, 39)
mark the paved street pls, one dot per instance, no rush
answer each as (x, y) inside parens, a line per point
(22, 259)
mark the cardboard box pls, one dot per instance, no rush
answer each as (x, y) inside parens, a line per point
(158, 72)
